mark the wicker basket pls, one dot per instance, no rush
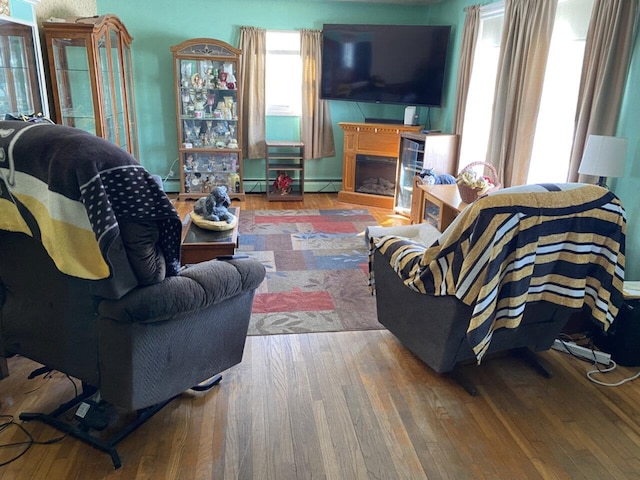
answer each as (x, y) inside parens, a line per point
(470, 194)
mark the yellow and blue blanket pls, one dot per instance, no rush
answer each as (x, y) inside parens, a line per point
(564, 244)
(70, 189)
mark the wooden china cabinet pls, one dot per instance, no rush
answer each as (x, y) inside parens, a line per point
(208, 117)
(92, 77)
(22, 86)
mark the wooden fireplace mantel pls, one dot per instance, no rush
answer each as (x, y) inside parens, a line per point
(379, 139)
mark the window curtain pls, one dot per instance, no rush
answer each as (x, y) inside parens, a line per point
(316, 130)
(604, 72)
(254, 53)
(465, 64)
(526, 36)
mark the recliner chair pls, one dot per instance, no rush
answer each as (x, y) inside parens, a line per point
(507, 274)
(91, 283)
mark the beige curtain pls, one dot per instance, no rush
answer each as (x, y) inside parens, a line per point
(528, 25)
(604, 72)
(254, 53)
(316, 130)
(465, 63)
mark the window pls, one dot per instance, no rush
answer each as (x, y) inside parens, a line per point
(553, 138)
(477, 118)
(553, 135)
(283, 77)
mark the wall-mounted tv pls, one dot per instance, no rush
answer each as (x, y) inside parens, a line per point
(397, 64)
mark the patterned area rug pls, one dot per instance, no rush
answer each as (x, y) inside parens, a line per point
(317, 270)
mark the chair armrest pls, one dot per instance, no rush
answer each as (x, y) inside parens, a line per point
(196, 287)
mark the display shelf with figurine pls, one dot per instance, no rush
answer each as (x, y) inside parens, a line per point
(208, 106)
(284, 170)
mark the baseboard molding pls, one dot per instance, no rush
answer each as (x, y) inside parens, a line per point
(172, 185)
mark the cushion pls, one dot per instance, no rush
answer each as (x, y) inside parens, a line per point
(147, 261)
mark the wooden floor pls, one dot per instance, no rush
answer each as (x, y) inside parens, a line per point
(351, 405)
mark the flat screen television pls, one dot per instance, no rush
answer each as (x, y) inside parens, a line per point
(396, 64)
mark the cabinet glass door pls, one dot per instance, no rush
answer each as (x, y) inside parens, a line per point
(19, 87)
(74, 83)
(411, 164)
(118, 99)
(209, 125)
(128, 75)
(105, 86)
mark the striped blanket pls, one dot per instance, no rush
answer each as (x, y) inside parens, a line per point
(560, 243)
(71, 189)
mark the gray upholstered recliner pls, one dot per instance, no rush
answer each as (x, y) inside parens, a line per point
(507, 274)
(91, 283)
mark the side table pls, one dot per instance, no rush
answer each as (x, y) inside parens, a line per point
(199, 245)
(437, 204)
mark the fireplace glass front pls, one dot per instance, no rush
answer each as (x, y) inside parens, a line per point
(376, 175)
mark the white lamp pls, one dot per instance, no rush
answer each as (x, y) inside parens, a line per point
(604, 157)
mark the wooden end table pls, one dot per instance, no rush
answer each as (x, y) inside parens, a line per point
(199, 244)
(440, 205)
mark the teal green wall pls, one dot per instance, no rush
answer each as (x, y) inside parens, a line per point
(21, 10)
(628, 187)
(158, 24)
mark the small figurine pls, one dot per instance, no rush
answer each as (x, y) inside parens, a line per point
(282, 183)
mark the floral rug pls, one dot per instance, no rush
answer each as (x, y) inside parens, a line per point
(317, 270)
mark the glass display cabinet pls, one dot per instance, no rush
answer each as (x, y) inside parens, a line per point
(419, 151)
(22, 86)
(92, 77)
(208, 110)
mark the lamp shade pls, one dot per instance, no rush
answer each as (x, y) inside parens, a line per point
(604, 156)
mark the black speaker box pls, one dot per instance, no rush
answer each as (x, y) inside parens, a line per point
(622, 340)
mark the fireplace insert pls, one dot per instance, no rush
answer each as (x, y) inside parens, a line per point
(376, 175)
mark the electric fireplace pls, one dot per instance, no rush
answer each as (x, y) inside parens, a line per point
(376, 175)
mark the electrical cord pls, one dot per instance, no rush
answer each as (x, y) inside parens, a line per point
(170, 172)
(4, 425)
(613, 366)
(27, 443)
(590, 374)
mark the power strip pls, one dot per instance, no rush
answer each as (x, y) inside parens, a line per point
(582, 352)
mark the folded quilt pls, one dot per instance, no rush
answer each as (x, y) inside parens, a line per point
(70, 189)
(562, 244)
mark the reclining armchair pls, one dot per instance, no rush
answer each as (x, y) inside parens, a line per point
(507, 274)
(91, 283)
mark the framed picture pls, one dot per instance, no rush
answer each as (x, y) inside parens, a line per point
(4, 8)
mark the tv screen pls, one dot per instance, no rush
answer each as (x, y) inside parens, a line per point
(398, 64)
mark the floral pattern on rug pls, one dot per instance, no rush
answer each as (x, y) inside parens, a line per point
(316, 262)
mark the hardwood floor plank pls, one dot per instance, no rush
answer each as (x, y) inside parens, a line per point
(343, 436)
(304, 431)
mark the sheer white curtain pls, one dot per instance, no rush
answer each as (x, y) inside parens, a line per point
(316, 130)
(604, 72)
(556, 120)
(479, 104)
(524, 48)
(254, 51)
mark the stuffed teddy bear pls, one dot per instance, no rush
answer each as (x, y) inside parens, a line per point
(213, 207)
